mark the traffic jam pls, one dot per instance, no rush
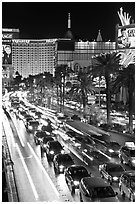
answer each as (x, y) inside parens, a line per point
(63, 141)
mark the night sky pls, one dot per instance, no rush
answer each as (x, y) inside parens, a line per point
(41, 20)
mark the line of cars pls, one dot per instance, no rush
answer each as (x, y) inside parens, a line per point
(74, 174)
(90, 188)
(77, 176)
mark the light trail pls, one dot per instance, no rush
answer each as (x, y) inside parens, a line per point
(8, 130)
(70, 127)
(43, 169)
(18, 133)
(28, 174)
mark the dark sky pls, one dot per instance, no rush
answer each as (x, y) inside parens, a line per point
(41, 20)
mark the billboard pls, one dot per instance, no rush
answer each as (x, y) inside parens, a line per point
(7, 35)
(125, 36)
(6, 54)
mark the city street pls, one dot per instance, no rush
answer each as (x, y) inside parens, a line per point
(33, 171)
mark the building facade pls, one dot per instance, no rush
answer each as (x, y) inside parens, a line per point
(81, 55)
(31, 57)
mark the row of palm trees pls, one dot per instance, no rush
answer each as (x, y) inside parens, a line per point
(116, 76)
(106, 65)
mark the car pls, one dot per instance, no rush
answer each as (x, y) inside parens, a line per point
(38, 115)
(26, 118)
(95, 189)
(75, 117)
(53, 148)
(112, 148)
(111, 172)
(98, 157)
(127, 185)
(127, 154)
(73, 175)
(61, 162)
(32, 125)
(105, 126)
(39, 136)
(43, 144)
(21, 114)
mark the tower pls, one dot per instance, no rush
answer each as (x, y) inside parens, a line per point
(99, 37)
(69, 33)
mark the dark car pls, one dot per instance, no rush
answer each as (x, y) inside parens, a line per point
(112, 148)
(26, 118)
(127, 154)
(98, 157)
(38, 136)
(75, 117)
(38, 115)
(105, 126)
(95, 189)
(111, 172)
(61, 162)
(53, 148)
(73, 175)
(45, 140)
(127, 185)
(32, 125)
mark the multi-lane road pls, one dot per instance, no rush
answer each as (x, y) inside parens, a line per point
(35, 177)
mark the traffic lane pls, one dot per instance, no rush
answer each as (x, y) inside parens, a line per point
(60, 182)
(23, 183)
(44, 185)
(121, 138)
(25, 192)
(37, 180)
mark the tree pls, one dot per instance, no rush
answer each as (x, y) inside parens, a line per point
(17, 80)
(82, 88)
(126, 78)
(61, 72)
(105, 65)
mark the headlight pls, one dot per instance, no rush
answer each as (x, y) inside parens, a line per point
(39, 127)
(133, 161)
(111, 150)
(62, 151)
(61, 166)
(51, 152)
(76, 183)
(30, 127)
(115, 178)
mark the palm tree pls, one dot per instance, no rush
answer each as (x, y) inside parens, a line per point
(82, 88)
(61, 72)
(126, 78)
(105, 65)
(17, 80)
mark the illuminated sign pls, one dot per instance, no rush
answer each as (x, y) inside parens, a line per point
(127, 56)
(10, 30)
(21, 41)
(126, 37)
(6, 54)
(7, 36)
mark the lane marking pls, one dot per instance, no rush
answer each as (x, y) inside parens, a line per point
(43, 169)
(28, 174)
(18, 133)
(8, 131)
(70, 127)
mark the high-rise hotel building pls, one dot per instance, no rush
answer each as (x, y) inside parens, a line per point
(31, 57)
